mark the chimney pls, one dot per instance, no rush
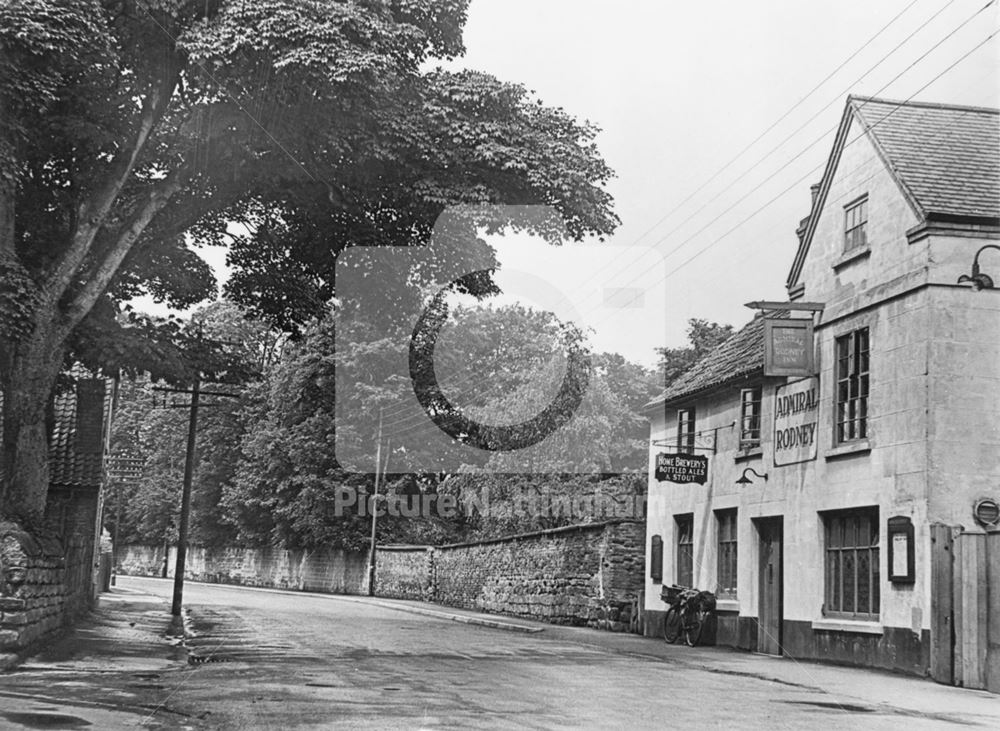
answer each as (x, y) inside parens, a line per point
(814, 189)
(801, 230)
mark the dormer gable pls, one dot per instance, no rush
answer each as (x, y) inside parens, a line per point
(943, 161)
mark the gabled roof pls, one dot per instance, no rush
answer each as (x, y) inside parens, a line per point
(945, 159)
(80, 419)
(736, 358)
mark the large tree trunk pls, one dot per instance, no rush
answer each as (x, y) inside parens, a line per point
(27, 379)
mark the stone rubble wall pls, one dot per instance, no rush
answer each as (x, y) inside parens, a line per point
(33, 594)
(589, 574)
(332, 570)
(46, 574)
(405, 572)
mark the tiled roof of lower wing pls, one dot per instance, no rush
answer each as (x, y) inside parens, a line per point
(739, 356)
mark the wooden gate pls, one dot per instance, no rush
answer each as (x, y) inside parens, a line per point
(965, 608)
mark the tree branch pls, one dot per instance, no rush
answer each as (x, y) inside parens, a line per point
(100, 279)
(92, 214)
(167, 225)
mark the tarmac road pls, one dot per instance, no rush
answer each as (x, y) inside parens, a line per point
(278, 660)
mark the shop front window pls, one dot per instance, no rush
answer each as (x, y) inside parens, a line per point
(852, 564)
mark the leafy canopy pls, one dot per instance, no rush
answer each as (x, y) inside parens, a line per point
(134, 132)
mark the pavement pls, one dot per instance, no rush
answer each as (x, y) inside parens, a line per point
(257, 658)
(106, 673)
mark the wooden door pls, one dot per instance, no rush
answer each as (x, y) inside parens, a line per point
(770, 584)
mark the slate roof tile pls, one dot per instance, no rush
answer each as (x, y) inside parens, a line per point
(946, 156)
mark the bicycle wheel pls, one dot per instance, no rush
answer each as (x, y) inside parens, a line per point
(672, 625)
(694, 626)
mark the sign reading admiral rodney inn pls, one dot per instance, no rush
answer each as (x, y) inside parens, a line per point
(788, 347)
(683, 468)
(796, 418)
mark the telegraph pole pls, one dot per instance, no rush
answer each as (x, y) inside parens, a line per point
(190, 459)
(195, 392)
(182, 530)
(371, 548)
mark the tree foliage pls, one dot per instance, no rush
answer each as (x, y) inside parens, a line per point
(134, 132)
(152, 425)
(703, 336)
(502, 363)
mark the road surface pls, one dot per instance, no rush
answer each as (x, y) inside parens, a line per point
(279, 660)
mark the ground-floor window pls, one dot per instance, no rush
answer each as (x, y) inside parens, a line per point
(684, 530)
(852, 563)
(726, 571)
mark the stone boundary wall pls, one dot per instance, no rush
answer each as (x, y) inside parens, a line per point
(46, 577)
(405, 572)
(588, 574)
(36, 596)
(331, 570)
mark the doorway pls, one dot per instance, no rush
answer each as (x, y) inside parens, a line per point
(770, 584)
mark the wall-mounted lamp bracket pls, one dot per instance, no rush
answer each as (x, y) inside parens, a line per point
(744, 480)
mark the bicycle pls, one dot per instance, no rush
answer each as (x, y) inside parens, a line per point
(689, 611)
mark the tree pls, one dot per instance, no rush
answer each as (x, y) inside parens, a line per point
(704, 337)
(284, 490)
(144, 428)
(134, 131)
(502, 363)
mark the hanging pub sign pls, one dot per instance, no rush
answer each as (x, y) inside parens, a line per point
(683, 468)
(796, 419)
(788, 347)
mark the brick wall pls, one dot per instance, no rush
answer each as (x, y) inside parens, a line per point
(587, 574)
(71, 513)
(330, 570)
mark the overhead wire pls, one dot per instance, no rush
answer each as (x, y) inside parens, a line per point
(393, 410)
(812, 144)
(782, 118)
(309, 174)
(758, 210)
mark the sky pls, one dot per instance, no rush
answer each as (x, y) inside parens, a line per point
(716, 118)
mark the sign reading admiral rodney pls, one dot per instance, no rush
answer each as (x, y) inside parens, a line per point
(796, 417)
(682, 468)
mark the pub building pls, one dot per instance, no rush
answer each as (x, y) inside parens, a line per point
(832, 470)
